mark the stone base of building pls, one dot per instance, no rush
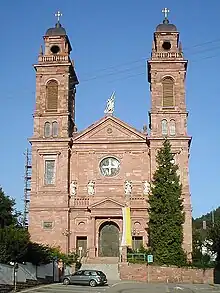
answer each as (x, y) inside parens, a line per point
(164, 274)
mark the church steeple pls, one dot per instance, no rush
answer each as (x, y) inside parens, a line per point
(166, 39)
(166, 75)
(56, 82)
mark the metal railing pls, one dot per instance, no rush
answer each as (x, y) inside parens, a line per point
(132, 257)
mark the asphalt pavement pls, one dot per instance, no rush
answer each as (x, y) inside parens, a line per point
(128, 287)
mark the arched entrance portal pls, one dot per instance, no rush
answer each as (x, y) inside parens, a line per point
(109, 239)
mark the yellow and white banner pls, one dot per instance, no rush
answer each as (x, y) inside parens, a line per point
(126, 233)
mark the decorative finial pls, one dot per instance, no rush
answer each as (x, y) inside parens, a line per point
(144, 128)
(41, 50)
(58, 15)
(166, 12)
(110, 107)
(153, 46)
(180, 47)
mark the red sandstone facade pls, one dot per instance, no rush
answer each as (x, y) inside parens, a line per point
(76, 217)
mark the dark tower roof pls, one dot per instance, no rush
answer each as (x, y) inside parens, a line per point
(58, 30)
(166, 27)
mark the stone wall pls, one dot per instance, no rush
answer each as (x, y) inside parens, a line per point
(29, 273)
(163, 274)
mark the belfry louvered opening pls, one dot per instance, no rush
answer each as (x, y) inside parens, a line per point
(168, 92)
(52, 95)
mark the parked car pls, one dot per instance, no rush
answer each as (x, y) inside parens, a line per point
(86, 277)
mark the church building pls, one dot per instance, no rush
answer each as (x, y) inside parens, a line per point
(82, 181)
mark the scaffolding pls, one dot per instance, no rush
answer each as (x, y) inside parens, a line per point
(27, 186)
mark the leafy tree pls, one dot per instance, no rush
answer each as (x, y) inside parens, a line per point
(198, 222)
(13, 244)
(214, 238)
(197, 242)
(199, 258)
(8, 215)
(166, 215)
(38, 254)
(208, 238)
(68, 259)
(13, 238)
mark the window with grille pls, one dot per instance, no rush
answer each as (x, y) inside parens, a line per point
(52, 95)
(49, 172)
(47, 129)
(54, 129)
(168, 92)
(172, 127)
(137, 242)
(164, 127)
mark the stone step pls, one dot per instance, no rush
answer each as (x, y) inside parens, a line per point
(111, 270)
(101, 260)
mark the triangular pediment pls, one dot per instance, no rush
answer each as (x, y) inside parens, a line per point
(107, 203)
(109, 129)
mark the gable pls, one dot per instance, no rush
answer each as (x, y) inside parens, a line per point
(110, 129)
(107, 203)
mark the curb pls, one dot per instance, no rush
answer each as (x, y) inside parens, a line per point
(214, 285)
(35, 287)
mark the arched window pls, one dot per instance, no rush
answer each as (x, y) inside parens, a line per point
(47, 131)
(164, 127)
(172, 127)
(54, 129)
(168, 92)
(52, 95)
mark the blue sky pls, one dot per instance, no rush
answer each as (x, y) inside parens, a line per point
(111, 41)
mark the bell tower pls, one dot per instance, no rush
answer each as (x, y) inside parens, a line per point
(56, 82)
(167, 69)
(54, 125)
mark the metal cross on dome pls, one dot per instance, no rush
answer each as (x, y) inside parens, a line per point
(166, 11)
(58, 15)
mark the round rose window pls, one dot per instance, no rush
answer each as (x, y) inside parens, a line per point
(109, 167)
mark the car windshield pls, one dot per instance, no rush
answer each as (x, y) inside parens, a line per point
(78, 273)
(100, 273)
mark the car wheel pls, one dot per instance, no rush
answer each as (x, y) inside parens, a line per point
(66, 282)
(92, 283)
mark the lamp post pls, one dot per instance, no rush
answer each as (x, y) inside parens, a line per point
(55, 259)
(67, 233)
(15, 267)
(213, 217)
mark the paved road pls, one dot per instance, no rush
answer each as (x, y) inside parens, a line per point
(60, 288)
(127, 287)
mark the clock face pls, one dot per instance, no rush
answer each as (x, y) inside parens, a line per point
(109, 167)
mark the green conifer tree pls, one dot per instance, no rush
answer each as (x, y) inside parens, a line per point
(166, 215)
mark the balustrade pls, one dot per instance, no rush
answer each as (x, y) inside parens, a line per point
(168, 55)
(81, 201)
(54, 58)
(138, 200)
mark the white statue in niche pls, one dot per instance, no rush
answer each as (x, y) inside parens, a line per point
(73, 187)
(91, 187)
(128, 187)
(146, 187)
